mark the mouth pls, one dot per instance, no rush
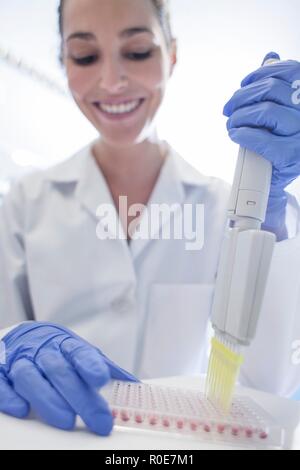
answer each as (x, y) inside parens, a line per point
(119, 112)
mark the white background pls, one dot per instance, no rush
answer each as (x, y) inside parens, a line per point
(219, 42)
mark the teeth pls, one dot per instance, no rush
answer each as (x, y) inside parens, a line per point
(119, 109)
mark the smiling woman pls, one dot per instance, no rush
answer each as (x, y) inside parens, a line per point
(118, 57)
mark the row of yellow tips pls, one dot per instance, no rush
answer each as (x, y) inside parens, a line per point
(223, 370)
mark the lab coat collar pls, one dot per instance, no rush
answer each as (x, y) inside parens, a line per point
(92, 189)
(78, 167)
(82, 171)
(70, 170)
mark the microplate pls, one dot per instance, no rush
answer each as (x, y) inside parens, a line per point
(189, 413)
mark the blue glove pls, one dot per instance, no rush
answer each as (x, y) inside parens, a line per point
(56, 374)
(264, 116)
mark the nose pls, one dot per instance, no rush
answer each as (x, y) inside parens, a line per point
(112, 75)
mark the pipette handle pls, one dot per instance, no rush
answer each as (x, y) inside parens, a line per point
(246, 252)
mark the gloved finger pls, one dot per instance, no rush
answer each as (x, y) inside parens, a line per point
(118, 373)
(256, 140)
(115, 371)
(85, 401)
(269, 89)
(87, 361)
(11, 403)
(43, 398)
(288, 71)
(270, 55)
(278, 119)
(263, 143)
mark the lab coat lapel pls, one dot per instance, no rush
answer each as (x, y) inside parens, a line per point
(169, 190)
(93, 191)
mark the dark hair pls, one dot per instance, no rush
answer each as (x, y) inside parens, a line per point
(163, 13)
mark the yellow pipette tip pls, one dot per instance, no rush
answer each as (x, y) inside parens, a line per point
(223, 370)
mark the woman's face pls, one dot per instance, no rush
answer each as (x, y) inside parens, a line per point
(115, 52)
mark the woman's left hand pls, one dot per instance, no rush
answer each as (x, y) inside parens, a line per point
(264, 116)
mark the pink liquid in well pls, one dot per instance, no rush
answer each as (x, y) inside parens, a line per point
(152, 420)
(138, 419)
(179, 424)
(207, 428)
(125, 416)
(221, 428)
(166, 422)
(194, 426)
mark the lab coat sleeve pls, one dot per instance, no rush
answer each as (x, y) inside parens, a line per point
(272, 362)
(15, 301)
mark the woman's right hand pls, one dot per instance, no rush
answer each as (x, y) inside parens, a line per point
(56, 374)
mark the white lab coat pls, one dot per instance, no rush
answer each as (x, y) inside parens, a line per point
(146, 305)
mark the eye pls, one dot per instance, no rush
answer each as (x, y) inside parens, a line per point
(140, 55)
(84, 61)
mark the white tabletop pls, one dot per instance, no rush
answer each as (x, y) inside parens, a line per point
(31, 434)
